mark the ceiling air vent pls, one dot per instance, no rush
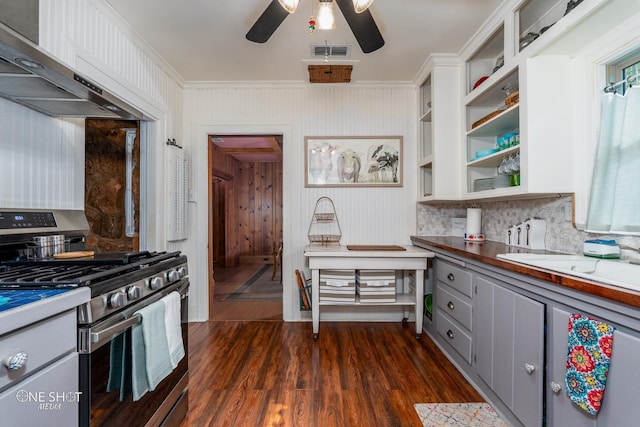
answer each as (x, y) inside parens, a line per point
(335, 52)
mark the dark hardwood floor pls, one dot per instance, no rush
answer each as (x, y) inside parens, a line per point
(272, 373)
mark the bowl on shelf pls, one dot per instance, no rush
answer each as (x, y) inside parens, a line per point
(527, 39)
(484, 153)
(480, 81)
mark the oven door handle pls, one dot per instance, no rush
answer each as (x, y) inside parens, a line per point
(92, 338)
(99, 337)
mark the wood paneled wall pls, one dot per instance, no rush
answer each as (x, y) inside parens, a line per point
(259, 196)
(246, 206)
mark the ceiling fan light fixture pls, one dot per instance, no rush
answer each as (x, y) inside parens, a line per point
(289, 5)
(361, 5)
(326, 19)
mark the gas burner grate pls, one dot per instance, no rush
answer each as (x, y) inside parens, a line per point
(74, 273)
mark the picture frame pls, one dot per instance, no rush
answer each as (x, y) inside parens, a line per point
(353, 161)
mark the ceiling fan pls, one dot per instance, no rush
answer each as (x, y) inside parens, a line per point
(361, 22)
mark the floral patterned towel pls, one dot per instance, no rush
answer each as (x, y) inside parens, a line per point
(588, 357)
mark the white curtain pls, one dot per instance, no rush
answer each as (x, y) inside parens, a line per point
(614, 205)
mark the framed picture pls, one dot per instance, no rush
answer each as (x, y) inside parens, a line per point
(353, 161)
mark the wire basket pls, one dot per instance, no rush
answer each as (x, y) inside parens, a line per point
(324, 227)
(324, 216)
(324, 238)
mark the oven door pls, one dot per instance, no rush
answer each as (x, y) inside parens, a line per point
(105, 404)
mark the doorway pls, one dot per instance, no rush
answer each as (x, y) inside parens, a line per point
(245, 223)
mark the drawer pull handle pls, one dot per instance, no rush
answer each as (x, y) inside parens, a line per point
(451, 277)
(450, 334)
(450, 305)
(555, 387)
(17, 361)
(529, 368)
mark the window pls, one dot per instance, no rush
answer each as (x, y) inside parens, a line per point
(614, 204)
(628, 67)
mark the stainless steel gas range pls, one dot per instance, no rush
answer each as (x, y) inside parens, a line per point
(121, 284)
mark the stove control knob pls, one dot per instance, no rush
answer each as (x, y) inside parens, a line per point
(134, 292)
(173, 276)
(182, 271)
(156, 283)
(116, 300)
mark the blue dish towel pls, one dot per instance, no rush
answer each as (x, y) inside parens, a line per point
(139, 383)
(116, 363)
(590, 345)
(120, 365)
(150, 350)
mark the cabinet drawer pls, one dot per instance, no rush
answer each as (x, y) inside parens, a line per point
(454, 335)
(42, 342)
(456, 277)
(48, 398)
(454, 306)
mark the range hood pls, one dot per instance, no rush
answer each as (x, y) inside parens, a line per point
(31, 77)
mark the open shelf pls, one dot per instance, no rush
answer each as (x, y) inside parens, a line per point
(502, 123)
(494, 159)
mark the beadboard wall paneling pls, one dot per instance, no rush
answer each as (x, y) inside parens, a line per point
(366, 215)
(72, 28)
(41, 158)
(90, 37)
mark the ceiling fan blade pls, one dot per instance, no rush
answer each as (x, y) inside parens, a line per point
(363, 26)
(267, 23)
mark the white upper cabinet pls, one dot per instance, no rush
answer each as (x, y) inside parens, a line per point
(514, 114)
(439, 167)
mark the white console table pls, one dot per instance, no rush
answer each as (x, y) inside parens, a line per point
(337, 257)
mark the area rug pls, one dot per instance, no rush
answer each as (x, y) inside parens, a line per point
(458, 415)
(259, 287)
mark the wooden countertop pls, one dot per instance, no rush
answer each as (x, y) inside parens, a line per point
(487, 252)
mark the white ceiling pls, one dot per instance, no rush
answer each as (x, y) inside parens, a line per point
(204, 40)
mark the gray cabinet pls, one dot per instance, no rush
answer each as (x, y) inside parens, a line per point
(49, 398)
(42, 388)
(620, 404)
(509, 348)
(453, 307)
(517, 336)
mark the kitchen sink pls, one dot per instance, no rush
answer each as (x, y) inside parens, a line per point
(613, 272)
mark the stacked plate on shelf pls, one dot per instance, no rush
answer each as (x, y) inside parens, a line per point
(499, 181)
(483, 184)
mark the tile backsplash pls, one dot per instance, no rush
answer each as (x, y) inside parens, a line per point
(497, 217)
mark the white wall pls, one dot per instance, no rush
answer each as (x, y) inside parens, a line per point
(91, 38)
(366, 215)
(41, 159)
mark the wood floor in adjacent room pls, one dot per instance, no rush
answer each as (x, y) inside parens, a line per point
(272, 373)
(227, 280)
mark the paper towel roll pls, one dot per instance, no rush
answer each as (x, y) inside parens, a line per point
(474, 221)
